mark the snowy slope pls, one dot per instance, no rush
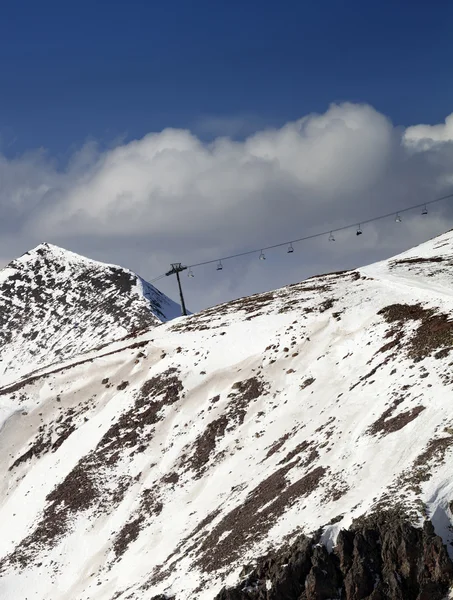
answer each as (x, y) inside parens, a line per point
(55, 304)
(164, 462)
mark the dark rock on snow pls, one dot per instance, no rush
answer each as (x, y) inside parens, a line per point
(383, 557)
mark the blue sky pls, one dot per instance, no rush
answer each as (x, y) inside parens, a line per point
(71, 71)
(338, 112)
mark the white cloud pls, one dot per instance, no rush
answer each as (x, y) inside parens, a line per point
(170, 178)
(423, 137)
(345, 149)
(169, 196)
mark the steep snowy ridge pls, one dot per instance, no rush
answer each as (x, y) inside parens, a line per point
(55, 304)
(166, 461)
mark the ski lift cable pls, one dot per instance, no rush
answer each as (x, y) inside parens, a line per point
(156, 278)
(316, 235)
(323, 233)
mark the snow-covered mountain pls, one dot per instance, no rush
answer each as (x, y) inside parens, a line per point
(55, 304)
(317, 416)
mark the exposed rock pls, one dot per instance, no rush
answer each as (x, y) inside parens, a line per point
(381, 557)
(434, 330)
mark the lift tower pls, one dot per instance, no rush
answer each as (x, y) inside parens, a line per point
(176, 269)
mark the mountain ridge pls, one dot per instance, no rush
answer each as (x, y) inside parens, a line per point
(176, 456)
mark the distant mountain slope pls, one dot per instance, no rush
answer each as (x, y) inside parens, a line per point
(168, 462)
(55, 304)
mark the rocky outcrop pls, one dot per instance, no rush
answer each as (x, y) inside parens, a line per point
(381, 557)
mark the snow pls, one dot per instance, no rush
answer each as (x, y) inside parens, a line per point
(318, 351)
(66, 304)
(7, 410)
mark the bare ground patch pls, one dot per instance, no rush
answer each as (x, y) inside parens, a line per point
(150, 506)
(251, 521)
(249, 305)
(422, 468)
(205, 444)
(53, 434)
(94, 483)
(243, 394)
(434, 331)
(134, 429)
(307, 382)
(386, 424)
(419, 261)
(275, 447)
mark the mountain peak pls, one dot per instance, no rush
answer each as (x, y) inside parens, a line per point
(47, 246)
(55, 254)
(55, 303)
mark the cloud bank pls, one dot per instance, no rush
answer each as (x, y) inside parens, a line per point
(422, 137)
(171, 197)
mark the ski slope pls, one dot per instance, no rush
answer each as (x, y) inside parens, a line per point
(164, 462)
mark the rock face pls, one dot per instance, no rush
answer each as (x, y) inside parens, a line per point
(383, 557)
(55, 304)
